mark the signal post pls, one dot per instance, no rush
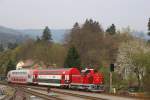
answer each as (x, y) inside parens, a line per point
(110, 77)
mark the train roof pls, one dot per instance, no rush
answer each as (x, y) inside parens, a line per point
(58, 71)
(22, 70)
(60, 68)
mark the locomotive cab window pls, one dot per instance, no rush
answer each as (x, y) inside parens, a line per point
(85, 72)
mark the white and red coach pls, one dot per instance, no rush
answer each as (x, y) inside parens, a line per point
(20, 76)
(56, 77)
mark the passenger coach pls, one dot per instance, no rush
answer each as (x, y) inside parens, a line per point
(20, 76)
(56, 77)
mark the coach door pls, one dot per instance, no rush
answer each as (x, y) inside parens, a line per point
(67, 79)
(63, 79)
(30, 77)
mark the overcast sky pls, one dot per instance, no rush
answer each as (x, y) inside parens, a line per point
(60, 14)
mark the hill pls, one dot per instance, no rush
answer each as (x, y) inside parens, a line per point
(13, 35)
(10, 35)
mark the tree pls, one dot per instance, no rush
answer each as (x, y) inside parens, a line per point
(38, 39)
(46, 34)
(12, 45)
(76, 27)
(10, 66)
(146, 79)
(140, 62)
(149, 27)
(111, 30)
(72, 59)
(132, 59)
(1, 48)
(74, 31)
(87, 39)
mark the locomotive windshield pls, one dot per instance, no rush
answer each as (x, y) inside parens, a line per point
(85, 72)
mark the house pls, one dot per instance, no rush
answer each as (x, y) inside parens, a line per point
(30, 64)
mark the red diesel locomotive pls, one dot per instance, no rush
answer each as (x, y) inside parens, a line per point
(72, 78)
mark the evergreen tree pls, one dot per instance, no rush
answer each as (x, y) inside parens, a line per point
(111, 30)
(74, 31)
(46, 34)
(12, 45)
(1, 48)
(149, 27)
(72, 59)
(10, 66)
(92, 26)
(75, 28)
(38, 39)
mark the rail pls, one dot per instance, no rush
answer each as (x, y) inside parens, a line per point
(28, 91)
(41, 95)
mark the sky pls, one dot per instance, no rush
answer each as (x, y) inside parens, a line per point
(62, 14)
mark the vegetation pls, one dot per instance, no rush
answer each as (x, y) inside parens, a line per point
(84, 39)
(1, 48)
(111, 30)
(10, 66)
(43, 51)
(12, 45)
(146, 80)
(8, 61)
(72, 59)
(46, 34)
(133, 61)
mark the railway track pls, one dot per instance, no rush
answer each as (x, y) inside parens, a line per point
(91, 96)
(67, 94)
(41, 95)
(30, 90)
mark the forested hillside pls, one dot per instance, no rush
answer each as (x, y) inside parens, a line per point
(8, 35)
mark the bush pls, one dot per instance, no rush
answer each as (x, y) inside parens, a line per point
(146, 82)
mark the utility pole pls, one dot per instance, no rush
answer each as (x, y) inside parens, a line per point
(110, 84)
